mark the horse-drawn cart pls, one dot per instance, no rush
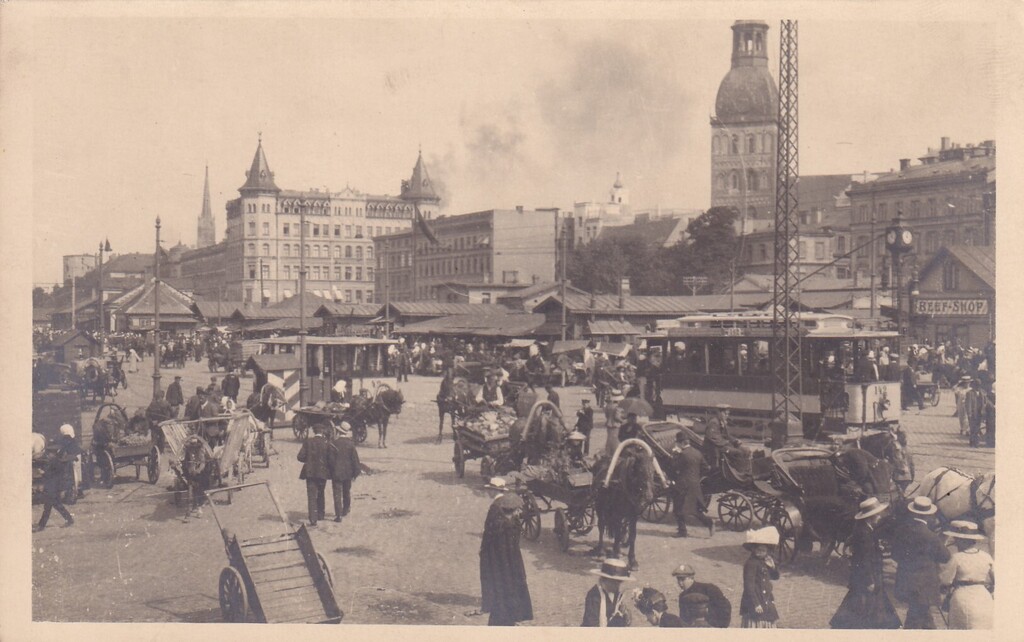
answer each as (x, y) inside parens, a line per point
(124, 447)
(277, 578)
(331, 414)
(487, 437)
(574, 492)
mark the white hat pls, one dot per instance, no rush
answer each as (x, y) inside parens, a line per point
(870, 506)
(67, 430)
(922, 506)
(614, 569)
(496, 483)
(871, 354)
(345, 429)
(963, 529)
(767, 536)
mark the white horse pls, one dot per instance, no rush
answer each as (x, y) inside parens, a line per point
(959, 495)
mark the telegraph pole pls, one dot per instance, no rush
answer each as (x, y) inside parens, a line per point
(387, 289)
(302, 306)
(156, 314)
(102, 323)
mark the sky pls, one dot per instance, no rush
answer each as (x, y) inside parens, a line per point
(127, 111)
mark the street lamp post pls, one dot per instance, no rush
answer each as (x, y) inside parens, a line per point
(156, 314)
(899, 240)
(102, 326)
(302, 306)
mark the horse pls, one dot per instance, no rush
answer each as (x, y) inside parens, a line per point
(455, 405)
(386, 402)
(891, 448)
(959, 495)
(622, 486)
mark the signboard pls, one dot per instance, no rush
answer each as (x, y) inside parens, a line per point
(952, 307)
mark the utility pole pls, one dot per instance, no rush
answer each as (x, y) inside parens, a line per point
(302, 306)
(102, 323)
(387, 289)
(786, 388)
(74, 302)
(156, 314)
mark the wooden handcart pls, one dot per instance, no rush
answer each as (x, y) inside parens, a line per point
(142, 453)
(274, 579)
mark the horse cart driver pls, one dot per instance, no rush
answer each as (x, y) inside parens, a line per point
(718, 443)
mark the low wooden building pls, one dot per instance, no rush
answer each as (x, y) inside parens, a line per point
(955, 299)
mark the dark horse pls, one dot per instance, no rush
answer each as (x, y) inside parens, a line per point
(386, 402)
(619, 504)
(98, 382)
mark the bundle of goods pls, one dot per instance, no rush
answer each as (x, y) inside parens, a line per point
(493, 424)
(133, 439)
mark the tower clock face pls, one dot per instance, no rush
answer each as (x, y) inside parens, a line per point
(890, 238)
(908, 237)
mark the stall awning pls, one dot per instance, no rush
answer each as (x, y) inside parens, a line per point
(568, 346)
(614, 349)
(611, 327)
(520, 343)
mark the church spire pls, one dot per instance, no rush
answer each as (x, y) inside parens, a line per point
(205, 235)
(259, 178)
(206, 213)
(419, 188)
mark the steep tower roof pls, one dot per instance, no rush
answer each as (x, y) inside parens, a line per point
(206, 213)
(205, 234)
(259, 178)
(419, 187)
(748, 93)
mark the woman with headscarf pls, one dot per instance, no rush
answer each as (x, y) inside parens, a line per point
(503, 589)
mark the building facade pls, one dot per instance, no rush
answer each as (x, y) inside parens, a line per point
(946, 200)
(955, 298)
(262, 240)
(590, 217)
(744, 128)
(507, 247)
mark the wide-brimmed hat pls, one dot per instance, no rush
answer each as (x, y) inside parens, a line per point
(67, 430)
(723, 406)
(922, 506)
(509, 501)
(767, 536)
(576, 436)
(345, 429)
(613, 569)
(963, 529)
(870, 506)
(684, 570)
(496, 483)
(966, 379)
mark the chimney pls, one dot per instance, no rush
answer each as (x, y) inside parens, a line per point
(519, 208)
(945, 143)
(593, 300)
(623, 292)
(904, 163)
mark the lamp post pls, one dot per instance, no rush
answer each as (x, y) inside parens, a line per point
(302, 306)
(156, 314)
(899, 240)
(102, 326)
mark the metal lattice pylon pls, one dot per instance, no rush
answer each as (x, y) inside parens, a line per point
(786, 387)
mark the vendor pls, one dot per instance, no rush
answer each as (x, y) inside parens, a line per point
(574, 443)
(490, 393)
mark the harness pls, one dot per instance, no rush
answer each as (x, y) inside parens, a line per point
(977, 508)
(949, 469)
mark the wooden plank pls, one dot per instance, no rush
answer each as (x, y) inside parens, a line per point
(291, 600)
(277, 559)
(269, 588)
(268, 569)
(267, 539)
(311, 616)
(271, 548)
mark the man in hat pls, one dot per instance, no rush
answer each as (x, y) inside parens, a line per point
(717, 606)
(211, 390)
(315, 456)
(652, 603)
(585, 423)
(575, 442)
(605, 602)
(344, 468)
(503, 589)
(630, 429)
(974, 408)
(866, 605)
(718, 441)
(194, 407)
(910, 393)
(230, 385)
(918, 552)
(174, 396)
(490, 394)
(68, 445)
(55, 480)
(960, 391)
(686, 493)
(868, 367)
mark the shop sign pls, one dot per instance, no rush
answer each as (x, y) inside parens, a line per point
(952, 307)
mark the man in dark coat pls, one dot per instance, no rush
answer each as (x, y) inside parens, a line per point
(315, 456)
(553, 396)
(719, 609)
(503, 589)
(866, 605)
(344, 468)
(918, 552)
(585, 423)
(686, 493)
(718, 441)
(175, 397)
(55, 480)
(230, 386)
(605, 603)
(194, 407)
(630, 428)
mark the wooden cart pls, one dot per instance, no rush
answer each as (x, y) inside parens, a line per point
(578, 516)
(494, 452)
(274, 579)
(144, 454)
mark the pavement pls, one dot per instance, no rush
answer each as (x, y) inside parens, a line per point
(408, 552)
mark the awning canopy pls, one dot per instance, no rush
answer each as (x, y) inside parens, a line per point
(614, 349)
(520, 343)
(569, 346)
(611, 327)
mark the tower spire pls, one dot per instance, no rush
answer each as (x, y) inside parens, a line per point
(205, 235)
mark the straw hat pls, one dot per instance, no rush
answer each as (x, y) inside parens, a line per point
(962, 529)
(496, 483)
(767, 536)
(870, 506)
(576, 436)
(922, 506)
(613, 569)
(67, 430)
(345, 429)
(723, 406)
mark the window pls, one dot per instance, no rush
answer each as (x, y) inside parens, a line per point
(252, 228)
(970, 236)
(378, 230)
(751, 145)
(752, 180)
(337, 272)
(735, 149)
(359, 296)
(510, 276)
(266, 249)
(723, 182)
(841, 244)
(899, 207)
(359, 231)
(933, 209)
(950, 276)
(348, 296)
(348, 251)
(862, 249)
(369, 274)
(316, 251)
(369, 296)
(266, 229)
(862, 214)
(485, 297)
(883, 212)
(316, 230)
(287, 271)
(915, 209)
(252, 270)
(316, 272)
(359, 252)
(369, 253)
(819, 250)
(734, 181)
(327, 251)
(359, 274)
(802, 250)
(248, 295)
(348, 272)
(295, 249)
(252, 249)
(348, 231)
(266, 271)
(337, 251)
(284, 229)
(337, 231)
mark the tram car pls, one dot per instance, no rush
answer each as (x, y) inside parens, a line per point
(845, 385)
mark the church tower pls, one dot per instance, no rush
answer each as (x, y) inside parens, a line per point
(205, 236)
(744, 127)
(420, 191)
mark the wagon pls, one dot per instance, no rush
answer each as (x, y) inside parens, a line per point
(274, 579)
(494, 451)
(574, 492)
(138, 451)
(232, 461)
(741, 499)
(332, 414)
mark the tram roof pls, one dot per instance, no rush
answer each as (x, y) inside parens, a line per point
(329, 341)
(821, 325)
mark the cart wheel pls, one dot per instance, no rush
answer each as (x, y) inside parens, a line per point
(110, 467)
(299, 427)
(581, 520)
(787, 536)
(234, 602)
(561, 530)
(460, 460)
(326, 569)
(359, 433)
(531, 521)
(486, 467)
(735, 511)
(153, 464)
(656, 509)
(936, 395)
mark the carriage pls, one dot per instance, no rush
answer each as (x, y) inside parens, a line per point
(573, 490)
(198, 466)
(740, 500)
(92, 376)
(816, 503)
(331, 414)
(125, 448)
(275, 578)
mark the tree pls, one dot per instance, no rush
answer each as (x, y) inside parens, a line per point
(709, 248)
(39, 297)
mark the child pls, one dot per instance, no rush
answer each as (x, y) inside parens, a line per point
(757, 606)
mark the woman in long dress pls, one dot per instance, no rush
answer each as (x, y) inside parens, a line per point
(971, 603)
(867, 604)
